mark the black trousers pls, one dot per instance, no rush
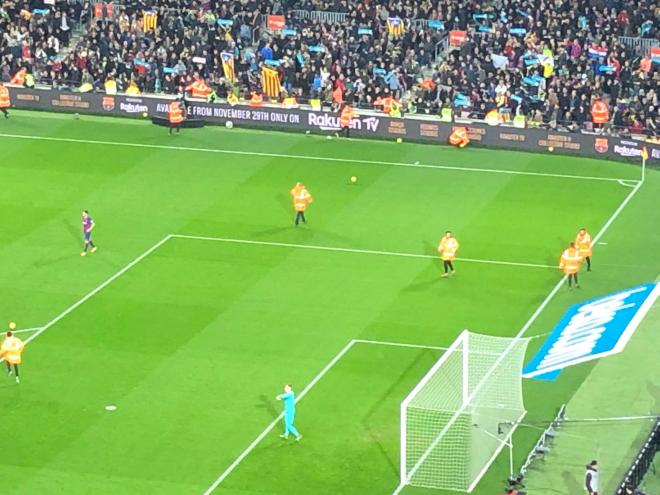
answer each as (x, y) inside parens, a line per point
(175, 126)
(346, 131)
(300, 215)
(9, 368)
(573, 277)
(4, 112)
(448, 265)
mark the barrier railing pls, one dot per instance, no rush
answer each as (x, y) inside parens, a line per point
(642, 462)
(641, 46)
(320, 16)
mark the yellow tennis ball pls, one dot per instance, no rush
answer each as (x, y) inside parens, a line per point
(399, 140)
(353, 179)
(145, 114)
(12, 325)
(551, 149)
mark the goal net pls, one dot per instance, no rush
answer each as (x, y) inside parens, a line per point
(462, 413)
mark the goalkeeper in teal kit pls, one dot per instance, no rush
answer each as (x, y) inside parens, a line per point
(289, 399)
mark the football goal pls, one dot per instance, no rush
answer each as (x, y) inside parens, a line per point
(462, 413)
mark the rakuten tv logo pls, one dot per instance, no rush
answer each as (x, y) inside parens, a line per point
(328, 122)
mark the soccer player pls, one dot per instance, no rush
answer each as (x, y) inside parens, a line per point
(11, 351)
(301, 198)
(87, 225)
(583, 243)
(570, 263)
(447, 249)
(289, 399)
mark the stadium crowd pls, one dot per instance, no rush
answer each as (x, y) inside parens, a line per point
(548, 60)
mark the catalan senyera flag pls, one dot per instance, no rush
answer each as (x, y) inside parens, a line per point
(270, 82)
(395, 26)
(149, 20)
(645, 153)
(228, 65)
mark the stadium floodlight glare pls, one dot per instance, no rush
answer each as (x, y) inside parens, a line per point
(451, 421)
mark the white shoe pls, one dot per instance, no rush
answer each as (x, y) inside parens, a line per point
(298, 438)
(18, 380)
(284, 437)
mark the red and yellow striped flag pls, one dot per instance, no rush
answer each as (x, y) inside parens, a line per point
(149, 20)
(228, 66)
(270, 82)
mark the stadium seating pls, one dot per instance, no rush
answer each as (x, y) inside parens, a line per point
(548, 62)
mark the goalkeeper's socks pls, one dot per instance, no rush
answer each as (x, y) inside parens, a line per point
(298, 438)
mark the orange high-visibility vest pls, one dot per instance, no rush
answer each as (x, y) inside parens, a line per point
(459, 137)
(19, 77)
(600, 114)
(583, 243)
(12, 349)
(387, 104)
(301, 199)
(346, 116)
(175, 115)
(257, 100)
(338, 95)
(4, 97)
(199, 89)
(570, 261)
(447, 248)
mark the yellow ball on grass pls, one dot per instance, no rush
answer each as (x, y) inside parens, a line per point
(353, 179)
(399, 140)
(12, 325)
(551, 149)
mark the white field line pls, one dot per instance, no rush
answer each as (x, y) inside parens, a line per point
(519, 336)
(359, 251)
(25, 330)
(98, 289)
(274, 423)
(305, 391)
(308, 157)
(399, 344)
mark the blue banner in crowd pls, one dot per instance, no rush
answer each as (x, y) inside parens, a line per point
(316, 49)
(462, 101)
(592, 329)
(365, 31)
(435, 24)
(518, 31)
(289, 32)
(225, 22)
(272, 62)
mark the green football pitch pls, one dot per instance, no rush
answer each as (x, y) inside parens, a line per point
(203, 299)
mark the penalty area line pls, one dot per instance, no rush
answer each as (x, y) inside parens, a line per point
(299, 397)
(274, 423)
(356, 251)
(309, 157)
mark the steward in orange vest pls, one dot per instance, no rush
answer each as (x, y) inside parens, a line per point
(346, 114)
(175, 116)
(256, 100)
(459, 137)
(11, 351)
(447, 248)
(570, 263)
(600, 114)
(19, 77)
(301, 198)
(199, 89)
(583, 243)
(5, 103)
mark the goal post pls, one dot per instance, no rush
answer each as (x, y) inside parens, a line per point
(452, 421)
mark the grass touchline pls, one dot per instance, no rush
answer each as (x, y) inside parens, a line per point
(311, 158)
